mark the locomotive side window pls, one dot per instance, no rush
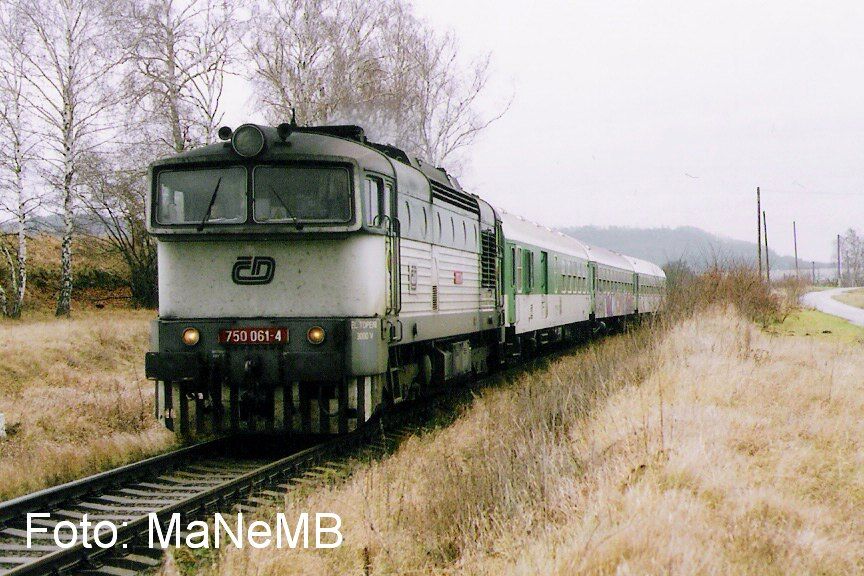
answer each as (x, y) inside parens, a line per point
(301, 194)
(209, 197)
(387, 202)
(374, 201)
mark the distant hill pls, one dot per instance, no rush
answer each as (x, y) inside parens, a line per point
(695, 246)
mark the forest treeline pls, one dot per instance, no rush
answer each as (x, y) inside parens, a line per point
(92, 91)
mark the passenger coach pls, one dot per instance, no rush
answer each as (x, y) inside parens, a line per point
(307, 277)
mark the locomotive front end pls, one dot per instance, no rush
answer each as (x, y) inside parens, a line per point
(273, 291)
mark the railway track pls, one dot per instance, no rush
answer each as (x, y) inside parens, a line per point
(196, 481)
(193, 482)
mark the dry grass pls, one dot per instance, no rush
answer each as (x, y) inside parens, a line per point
(706, 446)
(852, 297)
(75, 398)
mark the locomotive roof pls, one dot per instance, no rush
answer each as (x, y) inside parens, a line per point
(339, 141)
(345, 142)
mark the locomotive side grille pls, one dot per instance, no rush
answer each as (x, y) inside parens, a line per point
(488, 251)
(434, 297)
(456, 198)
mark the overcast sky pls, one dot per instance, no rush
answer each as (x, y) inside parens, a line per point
(668, 113)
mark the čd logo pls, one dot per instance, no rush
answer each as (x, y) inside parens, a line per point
(253, 270)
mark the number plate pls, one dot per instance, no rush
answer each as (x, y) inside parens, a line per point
(254, 336)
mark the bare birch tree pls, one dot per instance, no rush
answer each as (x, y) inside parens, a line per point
(444, 117)
(116, 195)
(349, 61)
(180, 57)
(851, 258)
(72, 61)
(292, 54)
(16, 146)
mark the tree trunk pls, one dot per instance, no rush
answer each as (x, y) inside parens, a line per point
(64, 299)
(173, 95)
(21, 259)
(144, 286)
(4, 301)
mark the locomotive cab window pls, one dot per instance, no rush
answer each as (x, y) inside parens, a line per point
(374, 196)
(301, 194)
(202, 197)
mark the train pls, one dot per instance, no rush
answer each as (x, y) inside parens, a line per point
(309, 278)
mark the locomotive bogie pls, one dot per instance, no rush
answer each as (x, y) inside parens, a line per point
(297, 407)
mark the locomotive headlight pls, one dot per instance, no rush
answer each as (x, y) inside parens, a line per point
(248, 140)
(315, 335)
(191, 336)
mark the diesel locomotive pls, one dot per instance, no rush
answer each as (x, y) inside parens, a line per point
(308, 277)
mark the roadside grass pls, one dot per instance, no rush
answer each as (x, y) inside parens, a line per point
(816, 324)
(852, 297)
(75, 398)
(700, 444)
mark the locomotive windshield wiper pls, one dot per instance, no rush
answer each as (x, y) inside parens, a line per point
(210, 206)
(287, 210)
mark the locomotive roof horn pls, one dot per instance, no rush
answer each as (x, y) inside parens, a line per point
(286, 128)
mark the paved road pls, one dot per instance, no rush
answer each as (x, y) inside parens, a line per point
(824, 301)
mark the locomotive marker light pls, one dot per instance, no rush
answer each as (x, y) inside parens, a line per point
(248, 140)
(191, 336)
(315, 335)
(225, 133)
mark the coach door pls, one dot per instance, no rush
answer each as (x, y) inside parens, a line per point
(544, 283)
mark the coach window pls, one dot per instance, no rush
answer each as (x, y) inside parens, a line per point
(374, 201)
(529, 271)
(512, 265)
(519, 268)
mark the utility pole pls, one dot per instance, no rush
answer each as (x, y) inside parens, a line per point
(839, 272)
(813, 266)
(767, 261)
(795, 240)
(759, 231)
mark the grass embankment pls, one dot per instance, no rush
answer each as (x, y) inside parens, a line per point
(707, 446)
(99, 276)
(75, 398)
(808, 322)
(852, 297)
